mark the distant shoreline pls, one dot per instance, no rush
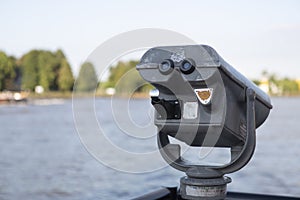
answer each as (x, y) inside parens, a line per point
(52, 98)
(69, 95)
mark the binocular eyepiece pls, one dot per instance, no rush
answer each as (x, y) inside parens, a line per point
(167, 66)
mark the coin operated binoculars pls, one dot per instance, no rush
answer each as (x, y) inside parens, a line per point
(204, 102)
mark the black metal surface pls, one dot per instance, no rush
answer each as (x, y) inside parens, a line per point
(160, 194)
(171, 194)
(225, 113)
(239, 162)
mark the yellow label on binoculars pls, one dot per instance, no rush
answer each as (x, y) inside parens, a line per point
(204, 95)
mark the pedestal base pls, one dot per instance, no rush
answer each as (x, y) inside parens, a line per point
(203, 188)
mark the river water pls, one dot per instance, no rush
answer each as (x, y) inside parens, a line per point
(42, 157)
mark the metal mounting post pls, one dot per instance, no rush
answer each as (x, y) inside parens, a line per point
(209, 182)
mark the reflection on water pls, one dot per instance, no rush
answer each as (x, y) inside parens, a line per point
(42, 157)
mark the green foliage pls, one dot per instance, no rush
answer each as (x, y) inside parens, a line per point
(59, 54)
(126, 79)
(65, 77)
(45, 68)
(256, 82)
(119, 70)
(7, 70)
(87, 79)
(288, 86)
(281, 86)
(52, 71)
(29, 66)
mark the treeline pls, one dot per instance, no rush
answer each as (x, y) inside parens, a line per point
(50, 70)
(125, 79)
(9, 71)
(279, 86)
(87, 80)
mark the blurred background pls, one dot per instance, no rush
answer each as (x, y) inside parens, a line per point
(44, 46)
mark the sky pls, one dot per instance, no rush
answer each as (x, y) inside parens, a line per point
(251, 35)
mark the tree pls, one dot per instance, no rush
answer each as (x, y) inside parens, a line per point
(29, 65)
(65, 77)
(125, 78)
(59, 54)
(41, 67)
(87, 79)
(47, 67)
(288, 86)
(7, 70)
(11, 82)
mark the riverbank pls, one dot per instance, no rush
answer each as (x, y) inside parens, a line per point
(51, 95)
(69, 95)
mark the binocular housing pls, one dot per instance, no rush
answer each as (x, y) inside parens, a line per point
(198, 94)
